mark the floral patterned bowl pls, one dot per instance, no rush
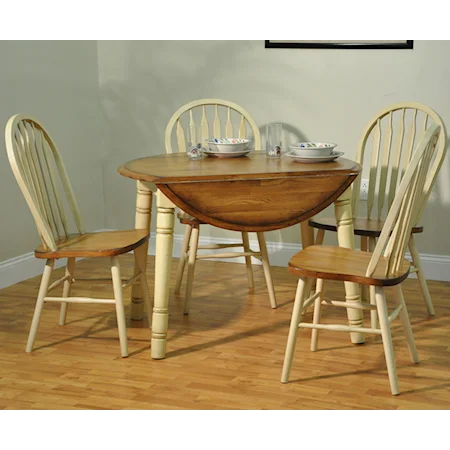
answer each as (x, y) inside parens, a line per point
(227, 144)
(313, 148)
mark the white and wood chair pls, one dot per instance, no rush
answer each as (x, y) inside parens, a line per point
(389, 141)
(40, 173)
(386, 266)
(206, 111)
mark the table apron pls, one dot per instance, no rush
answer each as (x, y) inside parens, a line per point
(257, 204)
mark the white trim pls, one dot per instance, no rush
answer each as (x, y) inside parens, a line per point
(20, 268)
(436, 267)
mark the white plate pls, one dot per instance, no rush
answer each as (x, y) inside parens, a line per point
(227, 154)
(314, 159)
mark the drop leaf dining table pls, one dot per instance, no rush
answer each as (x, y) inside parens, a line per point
(252, 193)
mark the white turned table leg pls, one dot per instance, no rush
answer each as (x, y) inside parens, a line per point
(163, 263)
(343, 212)
(142, 222)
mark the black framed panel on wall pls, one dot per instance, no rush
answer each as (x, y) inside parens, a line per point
(363, 45)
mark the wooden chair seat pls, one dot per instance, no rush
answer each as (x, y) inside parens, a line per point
(362, 226)
(385, 150)
(40, 173)
(344, 264)
(203, 119)
(105, 243)
(385, 266)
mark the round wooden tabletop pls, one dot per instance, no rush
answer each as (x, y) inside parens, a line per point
(251, 193)
(176, 167)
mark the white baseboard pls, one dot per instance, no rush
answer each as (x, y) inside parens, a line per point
(436, 267)
(20, 268)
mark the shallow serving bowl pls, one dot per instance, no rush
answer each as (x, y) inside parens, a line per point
(227, 144)
(318, 149)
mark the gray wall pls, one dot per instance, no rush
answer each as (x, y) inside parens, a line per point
(107, 102)
(324, 95)
(56, 82)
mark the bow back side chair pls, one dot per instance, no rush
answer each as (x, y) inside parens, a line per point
(41, 175)
(386, 266)
(388, 141)
(209, 115)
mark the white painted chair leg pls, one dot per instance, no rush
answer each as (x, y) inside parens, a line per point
(420, 275)
(364, 288)
(248, 260)
(143, 282)
(183, 257)
(266, 267)
(191, 267)
(70, 271)
(320, 285)
(120, 311)
(45, 282)
(373, 313)
(304, 285)
(387, 339)
(404, 317)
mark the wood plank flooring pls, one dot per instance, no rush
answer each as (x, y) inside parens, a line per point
(227, 354)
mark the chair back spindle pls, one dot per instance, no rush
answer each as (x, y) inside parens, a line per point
(209, 121)
(396, 231)
(39, 171)
(391, 136)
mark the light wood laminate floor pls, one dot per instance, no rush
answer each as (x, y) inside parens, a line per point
(227, 354)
